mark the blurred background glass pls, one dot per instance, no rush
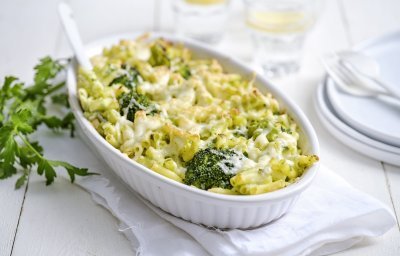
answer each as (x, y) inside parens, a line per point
(278, 29)
(203, 20)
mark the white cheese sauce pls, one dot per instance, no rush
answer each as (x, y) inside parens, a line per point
(235, 163)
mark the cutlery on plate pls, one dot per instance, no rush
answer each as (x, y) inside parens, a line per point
(351, 84)
(345, 82)
(355, 64)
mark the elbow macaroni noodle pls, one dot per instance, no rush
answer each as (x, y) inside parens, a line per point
(198, 105)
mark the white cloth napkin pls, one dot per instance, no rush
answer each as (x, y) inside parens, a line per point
(330, 216)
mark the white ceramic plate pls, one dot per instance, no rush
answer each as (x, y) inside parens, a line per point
(350, 137)
(374, 118)
(196, 205)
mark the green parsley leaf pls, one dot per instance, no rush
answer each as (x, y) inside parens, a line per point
(46, 69)
(22, 111)
(27, 158)
(46, 167)
(60, 99)
(20, 120)
(8, 152)
(72, 170)
(22, 179)
(9, 90)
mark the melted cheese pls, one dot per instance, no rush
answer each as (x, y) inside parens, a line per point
(202, 108)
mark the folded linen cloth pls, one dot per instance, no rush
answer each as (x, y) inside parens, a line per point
(329, 217)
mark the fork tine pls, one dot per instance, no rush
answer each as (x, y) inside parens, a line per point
(346, 76)
(340, 80)
(351, 76)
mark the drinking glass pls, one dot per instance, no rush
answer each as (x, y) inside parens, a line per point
(278, 29)
(203, 20)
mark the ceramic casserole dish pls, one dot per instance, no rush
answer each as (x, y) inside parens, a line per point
(189, 203)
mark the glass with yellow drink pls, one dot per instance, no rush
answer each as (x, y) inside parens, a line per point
(203, 20)
(278, 29)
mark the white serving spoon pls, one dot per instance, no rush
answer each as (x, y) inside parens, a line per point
(71, 29)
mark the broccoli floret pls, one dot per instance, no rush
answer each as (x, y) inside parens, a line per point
(132, 102)
(159, 56)
(254, 125)
(130, 79)
(162, 55)
(206, 169)
(184, 70)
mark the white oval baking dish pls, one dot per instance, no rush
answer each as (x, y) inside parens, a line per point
(192, 204)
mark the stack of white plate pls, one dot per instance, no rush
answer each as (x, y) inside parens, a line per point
(368, 125)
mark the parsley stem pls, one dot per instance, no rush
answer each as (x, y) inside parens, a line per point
(55, 88)
(29, 145)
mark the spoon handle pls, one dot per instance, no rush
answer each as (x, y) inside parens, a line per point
(72, 32)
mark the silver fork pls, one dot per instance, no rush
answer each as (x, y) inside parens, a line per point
(350, 84)
(345, 81)
(354, 71)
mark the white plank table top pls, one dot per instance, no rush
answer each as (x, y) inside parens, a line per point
(63, 220)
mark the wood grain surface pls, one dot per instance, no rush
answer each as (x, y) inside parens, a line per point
(63, 219)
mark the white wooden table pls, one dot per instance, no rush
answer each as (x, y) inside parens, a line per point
(63, 220)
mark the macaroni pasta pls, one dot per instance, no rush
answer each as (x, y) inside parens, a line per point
(161, 108)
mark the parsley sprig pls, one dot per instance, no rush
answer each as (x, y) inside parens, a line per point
(22, 111)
